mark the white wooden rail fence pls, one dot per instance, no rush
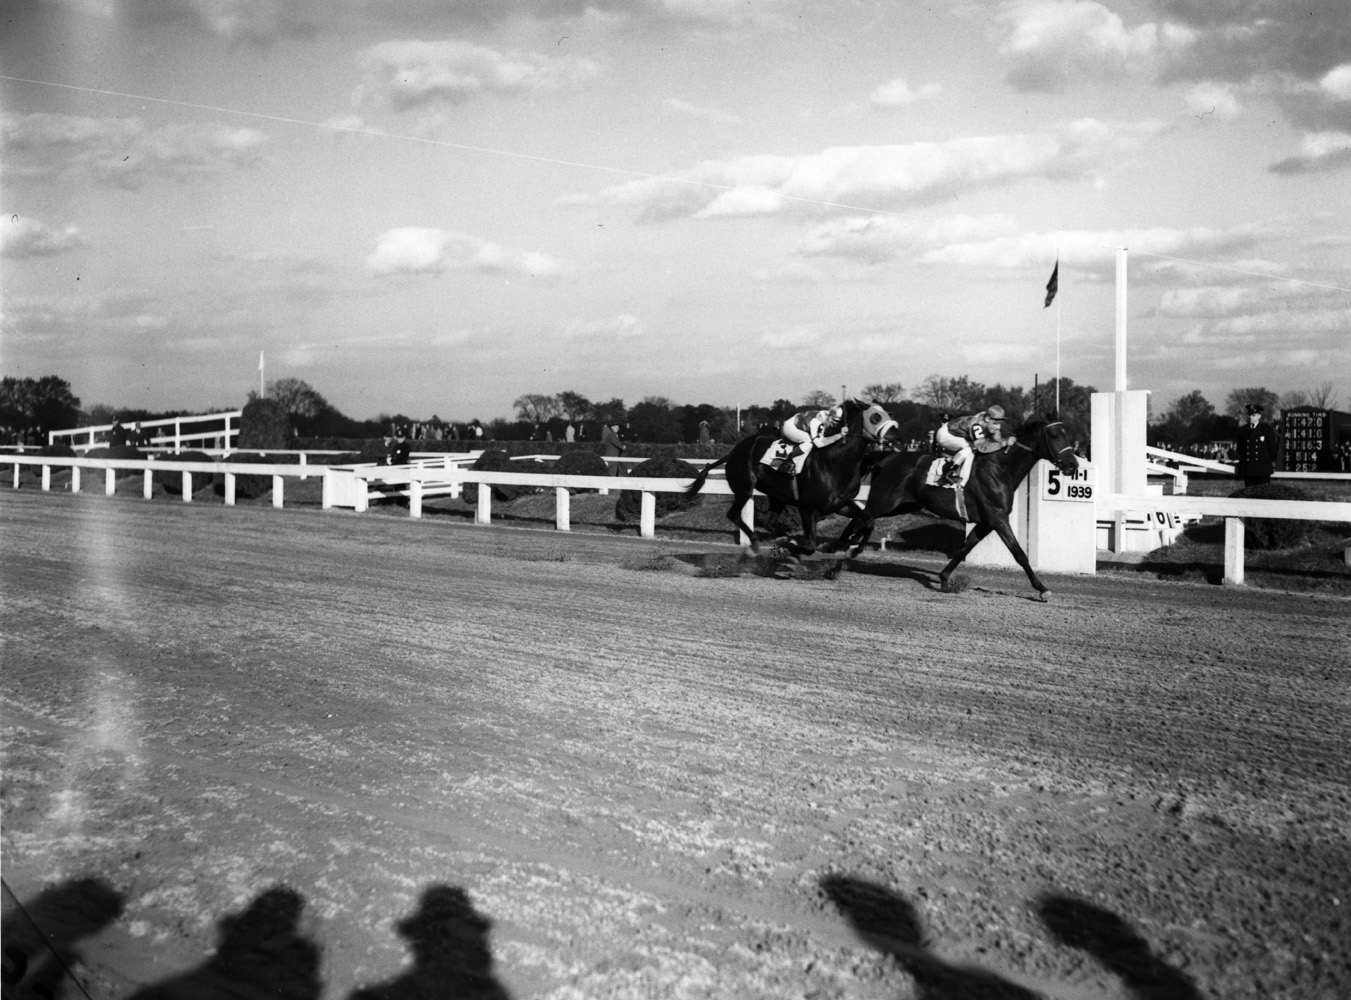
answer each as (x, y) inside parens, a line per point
(427, 479)
(1233, 510)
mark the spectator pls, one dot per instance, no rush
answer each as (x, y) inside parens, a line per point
(705, 435)
(1256, 448)
(117, 435)
(399, 450)
(611, 445)
(570, 434)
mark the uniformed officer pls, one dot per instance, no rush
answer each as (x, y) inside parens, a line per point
(1256, 448)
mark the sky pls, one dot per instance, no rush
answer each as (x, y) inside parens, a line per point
(426, 207)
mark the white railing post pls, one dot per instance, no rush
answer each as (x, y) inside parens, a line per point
(362, 502)
(327, 494)
(562, 508)
(148, 487)
(647, 521)
(109, 481)
(483, 513)
(187, 486)
(75, 479)
(1233, 549)
(415, 498)
(278, 490)
(46, 478)
(303, 475)
(178, 434)
(231, 485)
(748, 516)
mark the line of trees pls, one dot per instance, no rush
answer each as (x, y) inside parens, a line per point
(1192, 420)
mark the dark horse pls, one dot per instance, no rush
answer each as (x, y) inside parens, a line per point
(898, 488)
(830, 477)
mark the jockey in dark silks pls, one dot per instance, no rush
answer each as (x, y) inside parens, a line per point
(810, 429)
(963, 436)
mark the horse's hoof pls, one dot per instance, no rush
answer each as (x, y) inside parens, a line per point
(1044, 596)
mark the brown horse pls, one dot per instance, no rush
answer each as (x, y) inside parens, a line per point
(898, 487)
(830, 477)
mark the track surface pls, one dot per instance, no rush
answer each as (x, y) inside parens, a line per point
(518, 763)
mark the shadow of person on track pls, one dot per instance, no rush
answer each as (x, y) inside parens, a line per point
(890, 923)
(451, 953)
(40, 935)
(262, 954)
(1115, 944)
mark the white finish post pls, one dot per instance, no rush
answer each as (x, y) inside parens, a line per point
(647, 521)
(278, 490)
(46, 477)
(562, 508)
(187, 487)
(148, 486)
(415, 498)
(1121, 255)
(1233, 550)
(230, 483)
(483, 513)
(748, 517)
(75, 479)
(109, 482)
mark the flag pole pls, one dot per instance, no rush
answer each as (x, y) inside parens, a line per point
(1052, 288)
(262, 390)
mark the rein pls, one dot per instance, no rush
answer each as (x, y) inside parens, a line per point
(1060, 451)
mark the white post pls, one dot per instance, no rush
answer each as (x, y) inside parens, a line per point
(278, 490)
(415, 498)
(109, 481)
(562, 508)
(46, 477)
(178, 434)
(327, 502)
(303, 475)
(1233, 549)
(230, 486)
(187, 486)
(75, 479)
(1121, 319)
(148, 486)
(483, 512)
(647, 521)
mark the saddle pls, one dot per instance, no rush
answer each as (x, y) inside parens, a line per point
(784, 456)
(934, 476)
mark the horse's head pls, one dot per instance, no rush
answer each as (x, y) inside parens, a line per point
(1054, 445)
(869, 420)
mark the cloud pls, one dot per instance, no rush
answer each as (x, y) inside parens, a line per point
(258, 22)
(881, 177)
(1052, 43)
(790, 338)
(21, 237)
(123, 152)
(409, 74)
(415, 250)
(996, 242)
(680, 107)
(623, 326)
(1211, 98)
(1318, 151)
(897, 92)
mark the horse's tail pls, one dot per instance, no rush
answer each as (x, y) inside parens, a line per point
(697, 484)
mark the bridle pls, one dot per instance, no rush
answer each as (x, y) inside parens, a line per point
(1059, 451)
(873, 434)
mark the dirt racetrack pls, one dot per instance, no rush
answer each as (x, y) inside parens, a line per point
(257, 753)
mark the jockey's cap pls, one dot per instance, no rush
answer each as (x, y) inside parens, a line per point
(996, 411)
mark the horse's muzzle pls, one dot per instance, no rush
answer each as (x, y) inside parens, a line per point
(1068, 463)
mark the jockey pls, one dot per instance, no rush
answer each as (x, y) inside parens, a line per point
(984, 430)
(810, 429)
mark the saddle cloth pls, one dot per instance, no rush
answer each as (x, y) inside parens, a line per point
(782, 454)
(935, 473)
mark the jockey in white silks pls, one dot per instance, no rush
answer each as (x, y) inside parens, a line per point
(982, 430)
(810, 429)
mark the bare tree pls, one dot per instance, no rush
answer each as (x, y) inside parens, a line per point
(953, 395)
(1323, 396)
(536, 406)
(884, 392)
(1293, 398)
(818, 398)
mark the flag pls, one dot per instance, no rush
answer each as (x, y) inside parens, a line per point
(1053, 285)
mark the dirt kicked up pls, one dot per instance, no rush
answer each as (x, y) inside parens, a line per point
(259, 753)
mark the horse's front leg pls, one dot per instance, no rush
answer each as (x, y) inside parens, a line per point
(1006, 534)
(972, 540)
